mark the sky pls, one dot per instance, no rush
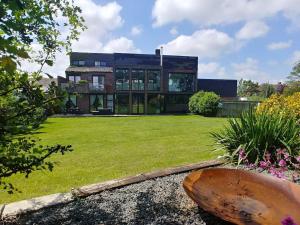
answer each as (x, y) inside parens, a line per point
(233, 39)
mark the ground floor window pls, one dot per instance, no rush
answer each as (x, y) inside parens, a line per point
(138, 103)
(110, 102)
(122, 104)
(154, 103)
(96, 102)
(177, 103)
(71, 101)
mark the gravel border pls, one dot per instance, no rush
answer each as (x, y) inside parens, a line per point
(157, 201)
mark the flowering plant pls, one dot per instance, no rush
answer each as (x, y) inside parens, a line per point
(276, 165)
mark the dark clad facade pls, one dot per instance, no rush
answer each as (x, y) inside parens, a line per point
(124, 83)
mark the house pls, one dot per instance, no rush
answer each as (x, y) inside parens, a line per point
(125, 83)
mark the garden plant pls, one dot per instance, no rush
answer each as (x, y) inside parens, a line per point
(204, 103)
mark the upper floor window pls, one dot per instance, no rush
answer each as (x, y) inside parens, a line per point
(153, 80)
(138, 80)
(181, 82)
(122, 79)
(97, 83)
(100, 64)
(74, 78)
(78, 63)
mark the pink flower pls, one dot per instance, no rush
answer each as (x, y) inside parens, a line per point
(263, 164)
(288, 221)
(298, 159)
(282, 163)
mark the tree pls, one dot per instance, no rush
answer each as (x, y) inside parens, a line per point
(293, 84)
(266, 90)
(295, 74)
(23, 103)
(247, 88)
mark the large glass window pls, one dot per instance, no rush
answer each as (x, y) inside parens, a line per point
(74, 78)
(122, 104)
(71, 102)
(138, 80)
(153, 80)
(122, 79)
(154, 104)
(96, 102)
(110, 102)
(97, 83)
(138, 103)
(181, 82)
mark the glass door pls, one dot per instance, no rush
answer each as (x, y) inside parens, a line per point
(138, 103)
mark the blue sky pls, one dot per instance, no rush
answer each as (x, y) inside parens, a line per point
(257, 39)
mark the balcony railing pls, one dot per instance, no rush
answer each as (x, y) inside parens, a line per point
(82, 87)
(94, 87)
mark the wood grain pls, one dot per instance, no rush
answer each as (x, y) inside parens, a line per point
(244, 197)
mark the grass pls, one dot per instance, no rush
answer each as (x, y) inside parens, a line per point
(112, 147)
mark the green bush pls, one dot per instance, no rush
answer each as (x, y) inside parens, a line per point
(258, 133)
(204, 103)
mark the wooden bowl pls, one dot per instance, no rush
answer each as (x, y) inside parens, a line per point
(244, 197)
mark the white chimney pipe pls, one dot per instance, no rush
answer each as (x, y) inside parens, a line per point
(161, 55)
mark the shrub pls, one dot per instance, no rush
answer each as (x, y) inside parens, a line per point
(204, 103)
(289, 105)
(259, 133)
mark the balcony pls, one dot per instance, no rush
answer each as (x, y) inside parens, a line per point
(82, 88)
(94, 87)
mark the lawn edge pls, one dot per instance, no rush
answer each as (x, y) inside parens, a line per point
(34, 204)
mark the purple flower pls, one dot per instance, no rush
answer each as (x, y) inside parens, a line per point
(282, 163)
(298, 159)
(288, 221)
(263, 164)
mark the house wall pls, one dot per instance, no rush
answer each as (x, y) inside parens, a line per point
(224, 88)
(169, 101)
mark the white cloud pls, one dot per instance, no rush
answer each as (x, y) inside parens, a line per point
(174, 31)
(252, 29)
(121, 44)
(101, 21)
(211, 69)
(215, 12)
(136, 30)
(208, 43)
(280, 45)
(249, 69)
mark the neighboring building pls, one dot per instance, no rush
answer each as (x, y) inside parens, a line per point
(124, 83)
(224, 88)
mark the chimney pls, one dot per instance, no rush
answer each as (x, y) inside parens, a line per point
(157, 52)
(161, 55)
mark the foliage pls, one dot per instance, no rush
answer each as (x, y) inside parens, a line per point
(291, 88)
(247, 88)
(204, 103)
(23, 103)
(266, 90)
(289, 105)
(58, 95)
(295, 74)
(258, 133)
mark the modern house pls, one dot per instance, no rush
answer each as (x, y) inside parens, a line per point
(124, 83)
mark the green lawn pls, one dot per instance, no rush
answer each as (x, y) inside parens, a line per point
(112, 147)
